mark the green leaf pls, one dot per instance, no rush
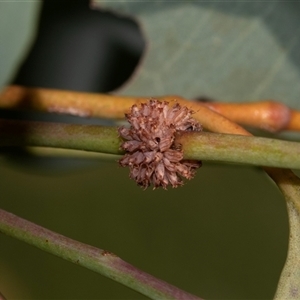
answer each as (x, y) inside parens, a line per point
(231, 51)
(17, 28)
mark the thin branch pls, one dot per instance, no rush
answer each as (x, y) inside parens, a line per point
(97, 260)
(240, 149)
(196, 145)
(2, 297)
(288, 287)
(268, 115)
(69, 136)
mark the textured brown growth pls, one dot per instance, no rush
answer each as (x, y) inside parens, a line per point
(149, 142)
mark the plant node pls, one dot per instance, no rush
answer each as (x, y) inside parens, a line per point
(151, 155)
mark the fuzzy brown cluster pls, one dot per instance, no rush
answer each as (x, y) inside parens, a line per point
(149, 144)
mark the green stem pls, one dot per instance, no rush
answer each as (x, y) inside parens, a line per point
(98, 260)
(69, 136)
(196, 145)
(240, 149)
(289, 283)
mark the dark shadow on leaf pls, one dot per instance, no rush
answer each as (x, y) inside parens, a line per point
(78, 48)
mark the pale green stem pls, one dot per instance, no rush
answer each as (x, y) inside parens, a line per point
(98, 260)
(240, 149)
(289, 283)
(196, 145)
(58, 135)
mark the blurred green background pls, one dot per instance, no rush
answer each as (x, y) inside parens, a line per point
(223, 235)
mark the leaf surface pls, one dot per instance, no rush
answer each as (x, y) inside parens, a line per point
(231, 51)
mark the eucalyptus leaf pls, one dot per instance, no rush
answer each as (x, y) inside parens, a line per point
(17, 29)
(226, 50)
